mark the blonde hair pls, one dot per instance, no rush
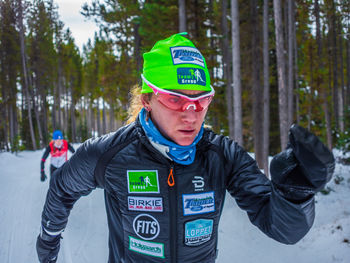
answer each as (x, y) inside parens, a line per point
(135, 103)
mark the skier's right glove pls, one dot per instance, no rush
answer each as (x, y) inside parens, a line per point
(43, 176)
(47, 247)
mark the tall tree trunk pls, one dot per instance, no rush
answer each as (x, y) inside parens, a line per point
(72, 116)
(182, 16)
(66, 108)
(111, 116)
(333, 47)
(227, 60)
(45, 123)
(310, 91)
(282, 89)
(4, 121)
(257, 96)
(342, 83)
(104, 119)
(137, 42)
(291, 37)
(320, 77)
(236, 72)
(295, 65)
(266, 92)
(54, 108)
(25, 73)
(98, 118)
(59, 93)
(36, 106)
(347, 93)
(89, 117)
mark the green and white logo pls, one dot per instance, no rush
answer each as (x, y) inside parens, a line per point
(191, 76)
(146, 247)
(143, 181)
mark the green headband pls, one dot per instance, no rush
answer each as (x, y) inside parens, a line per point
(175, 63)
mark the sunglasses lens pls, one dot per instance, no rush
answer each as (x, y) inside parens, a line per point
(179, 103)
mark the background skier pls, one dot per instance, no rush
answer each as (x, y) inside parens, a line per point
(58, 149)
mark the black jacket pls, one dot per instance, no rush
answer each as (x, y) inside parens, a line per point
(151, 221)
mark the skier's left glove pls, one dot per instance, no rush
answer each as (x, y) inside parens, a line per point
(303, 168)
(43, 175)
(47, 247)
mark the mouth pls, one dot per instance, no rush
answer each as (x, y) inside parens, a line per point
(187, 131)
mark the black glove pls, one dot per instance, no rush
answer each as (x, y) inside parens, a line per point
(47, 247)
(43, 176)
(304, 167)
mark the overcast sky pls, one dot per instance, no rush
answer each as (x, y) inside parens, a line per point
(81, 28)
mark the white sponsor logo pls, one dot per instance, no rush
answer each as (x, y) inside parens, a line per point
(198, 183)
(150, 204)
(194, 204)
(146, 226)
(147, 248)
(186, 55)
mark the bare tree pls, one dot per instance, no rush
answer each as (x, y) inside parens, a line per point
(282, 89)
(256, 88)
(342, 82)
(111, 115)
(296, 76)
(319, 80)
(291, 37)
(104, 117)
(266, 92)
(25, 72)
(236, 72)
(227, 59)
(182, 15)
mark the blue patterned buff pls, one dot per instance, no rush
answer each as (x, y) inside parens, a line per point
(180, 154)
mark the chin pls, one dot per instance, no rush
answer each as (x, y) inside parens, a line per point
(185, 142)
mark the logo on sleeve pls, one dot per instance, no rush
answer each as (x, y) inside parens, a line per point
(187, 55)
(198, 232)
(150, 204)
(147, 248)
(143, 181)
(194, 204)
(146, 227)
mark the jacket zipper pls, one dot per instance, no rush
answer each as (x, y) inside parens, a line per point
(172, 214)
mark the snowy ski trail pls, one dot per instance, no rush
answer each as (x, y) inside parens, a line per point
(85, 239)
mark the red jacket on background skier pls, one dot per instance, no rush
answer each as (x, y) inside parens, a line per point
(58, 149)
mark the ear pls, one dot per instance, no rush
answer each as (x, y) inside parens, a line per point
(146, 102)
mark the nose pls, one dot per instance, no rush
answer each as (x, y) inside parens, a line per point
(190, 114)
(191, 105)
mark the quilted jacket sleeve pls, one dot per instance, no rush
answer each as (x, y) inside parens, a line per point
(281, 219)
(73, 180)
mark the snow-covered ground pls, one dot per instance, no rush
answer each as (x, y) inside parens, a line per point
(22, 197)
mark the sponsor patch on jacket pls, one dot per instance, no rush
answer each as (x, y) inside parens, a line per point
(146, 227)
(198, 183)
(143, 181)
(146, 247)
(195, 204)
(191, 76)
(149, 204)
(198, 231)
(186, 55)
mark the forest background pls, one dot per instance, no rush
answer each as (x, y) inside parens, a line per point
(272, 63)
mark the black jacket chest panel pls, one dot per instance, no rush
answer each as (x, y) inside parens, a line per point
(138, 184)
